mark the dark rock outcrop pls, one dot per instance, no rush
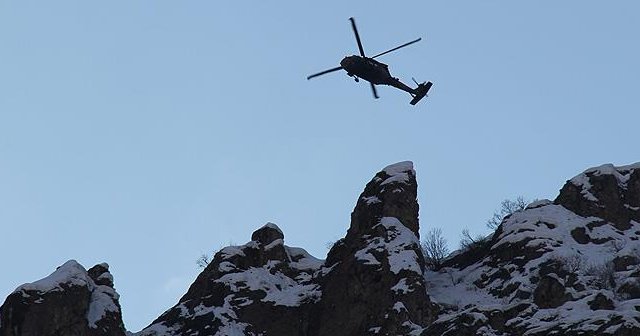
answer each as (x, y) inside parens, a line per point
(71, 301)
(371, 282)
(608, 192)
(601, 302)
(550, 293)
(376, 284)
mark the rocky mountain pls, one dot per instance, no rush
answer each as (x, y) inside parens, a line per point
(570, 266)
(371, 282)
(564, 267)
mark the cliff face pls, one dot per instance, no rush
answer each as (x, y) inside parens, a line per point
(569, 267)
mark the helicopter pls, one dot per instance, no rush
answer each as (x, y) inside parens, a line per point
(375, 72)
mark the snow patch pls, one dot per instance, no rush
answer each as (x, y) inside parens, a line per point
(231, 251)
(399, 307)
(103, 300)
(398, 172)
(371, 200)
(303, 261)
(400, 245)
(402, 287)
(398, 168)
(70, 273)
(279, 289)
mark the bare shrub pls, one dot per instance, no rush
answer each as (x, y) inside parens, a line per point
(203, 261)
(507, 207)
(572, 263)
(604, 275)
(468, 241)
(435, 248)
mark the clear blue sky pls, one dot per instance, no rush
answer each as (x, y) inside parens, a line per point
(145, 133)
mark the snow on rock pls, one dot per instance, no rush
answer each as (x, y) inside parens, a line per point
(104, 299)
(71, 273)
(303, 261)
(570, 266)
(371, 282)
(71, 298)
(399, 172)
(232, 294)
(608, 192)
(378, 264)
(399, 168)
(549, 269)
(621, 173)
(399, 245)
(402, 287)
(279, 289)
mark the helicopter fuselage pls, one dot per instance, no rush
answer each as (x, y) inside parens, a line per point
(372, 71)
(367, 69)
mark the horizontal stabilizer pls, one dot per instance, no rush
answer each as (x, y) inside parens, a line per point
(420, 92)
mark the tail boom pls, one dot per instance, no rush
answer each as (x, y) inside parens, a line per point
(420, 92)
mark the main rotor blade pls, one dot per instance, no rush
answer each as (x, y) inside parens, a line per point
(324, 72)
(355, 31)
(375, 92)
(398, 47)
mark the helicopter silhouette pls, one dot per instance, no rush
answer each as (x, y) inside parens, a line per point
(375, 72)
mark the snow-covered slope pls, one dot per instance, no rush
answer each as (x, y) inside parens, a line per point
(551, 270)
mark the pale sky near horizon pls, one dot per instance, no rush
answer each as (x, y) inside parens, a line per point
(144, 134)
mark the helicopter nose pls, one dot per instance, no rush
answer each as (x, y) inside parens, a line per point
(346, 62)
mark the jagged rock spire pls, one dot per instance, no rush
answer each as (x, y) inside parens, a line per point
(376, 284)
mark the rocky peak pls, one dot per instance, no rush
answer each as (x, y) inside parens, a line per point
(391, 193)
(261, 287)
(70, 301)
(609, 192)
(100, 275)
(267, 234)
(376, 285)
